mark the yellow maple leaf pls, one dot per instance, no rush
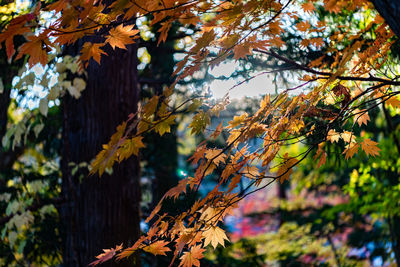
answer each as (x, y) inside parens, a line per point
(121, 36)
(157, 248)
(333, 136)
(229, 41)
(130, 147)
(209, 213)
(370, 147)
(199, 122)
(191, 258)
(348, 137)
(164, 125)
(151, 106)
(215, 236)
(237, 120)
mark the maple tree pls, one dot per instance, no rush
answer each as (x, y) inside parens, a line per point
(339, 88)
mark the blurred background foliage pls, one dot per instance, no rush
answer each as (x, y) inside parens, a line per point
(344, 213)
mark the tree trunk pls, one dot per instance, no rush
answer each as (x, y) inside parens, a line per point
(390, 11)
(101, 212)
(393, 221)
(9, 71)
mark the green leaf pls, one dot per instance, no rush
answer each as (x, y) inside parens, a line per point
(43, 106)
(199, 122)
(37, 129)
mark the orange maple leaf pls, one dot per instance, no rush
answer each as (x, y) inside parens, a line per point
(91, 50)
(8, 37)
(286, 168)
(277, 42)
(68, 37)
(107, 255)
(308, 7)
(121, 36)
(174, 192)
(198, 154)
(362, 118)
(370, 147)
(350, 150)
(36, 48)
(303, 26)
(234, 182)
(322, 159)
(191, 258)
(216, 155)
(334, 6)
(321, 154)
(58, 6)
(317, 42)
(157, 248)
(165, 27)
(242, 51)
(217, 131)
(394, 102)
(17, 26)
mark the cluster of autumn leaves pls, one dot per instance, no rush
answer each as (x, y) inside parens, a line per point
(228, 28)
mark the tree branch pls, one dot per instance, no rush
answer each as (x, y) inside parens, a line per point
(326, 74)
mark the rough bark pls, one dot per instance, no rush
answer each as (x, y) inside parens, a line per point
(101, 212)
(390, 11)
(9, 71)
(393, 221)
(7, 157)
